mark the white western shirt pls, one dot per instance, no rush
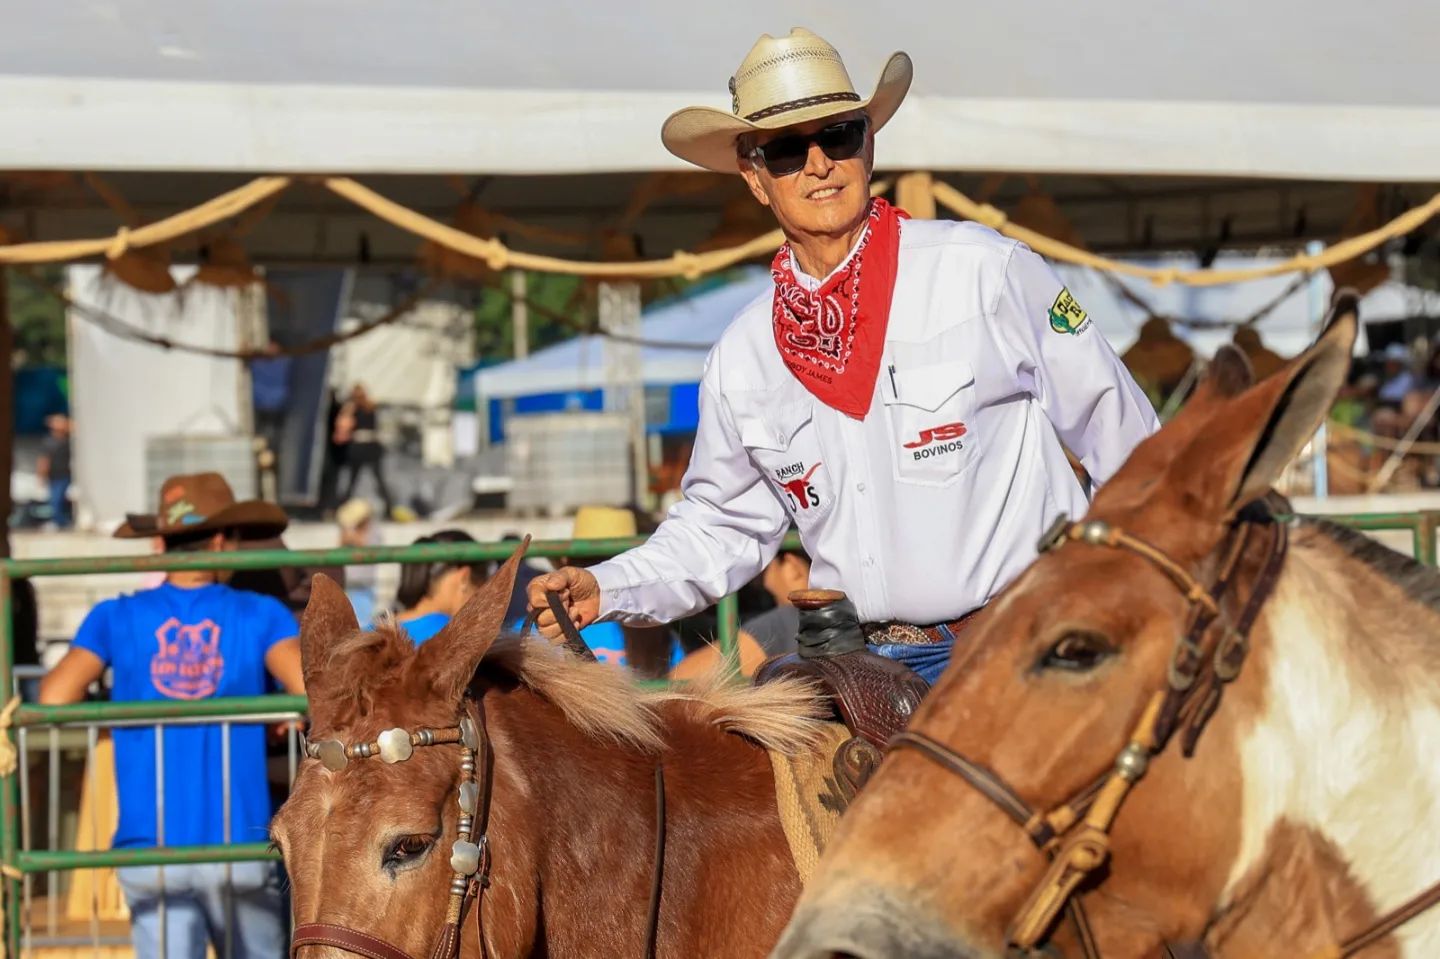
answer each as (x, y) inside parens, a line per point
(935, 501)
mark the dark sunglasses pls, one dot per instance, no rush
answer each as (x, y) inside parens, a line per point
(839, 141)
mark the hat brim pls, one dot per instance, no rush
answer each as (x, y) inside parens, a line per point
(255, 518)
(706, 137)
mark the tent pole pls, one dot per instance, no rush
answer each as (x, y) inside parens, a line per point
(1320, 445)
(519, 314)
(7, 410)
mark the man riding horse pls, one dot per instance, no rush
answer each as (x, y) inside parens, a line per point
(904, 396)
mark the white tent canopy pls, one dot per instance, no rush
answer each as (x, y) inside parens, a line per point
(1291, 88)
(579, 364)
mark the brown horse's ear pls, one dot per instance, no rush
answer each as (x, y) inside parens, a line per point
(328, 617)
(1249, 440)
(452, 656)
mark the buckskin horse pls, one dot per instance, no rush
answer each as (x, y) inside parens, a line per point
(502, 797)
(1196, 720)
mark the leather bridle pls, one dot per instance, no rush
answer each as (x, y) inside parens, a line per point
(470, 853)
(1076, 834)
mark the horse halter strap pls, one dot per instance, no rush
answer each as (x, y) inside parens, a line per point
(1076, 834)
(469, 854)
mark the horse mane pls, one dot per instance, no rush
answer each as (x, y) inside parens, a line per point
(607, 703)
(1418, 581)
(602, 701)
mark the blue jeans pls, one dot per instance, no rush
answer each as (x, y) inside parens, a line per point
(928, 660)
(60, 502)
(200, 910)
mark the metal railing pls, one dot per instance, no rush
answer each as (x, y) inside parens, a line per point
(257, 710)
(91, 716)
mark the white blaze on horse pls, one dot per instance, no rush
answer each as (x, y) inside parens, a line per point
(1295, 662)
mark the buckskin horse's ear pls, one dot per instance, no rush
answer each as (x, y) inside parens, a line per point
(1252, 438)
(452, 656)
(1229, 373)
(328, 616)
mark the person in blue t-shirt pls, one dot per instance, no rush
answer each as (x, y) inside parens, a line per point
(192, 637)
(430, 593)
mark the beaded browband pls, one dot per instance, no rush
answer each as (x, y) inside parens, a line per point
(469, 854)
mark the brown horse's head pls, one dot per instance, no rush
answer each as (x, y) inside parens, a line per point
(368, 846)
(1061, 668)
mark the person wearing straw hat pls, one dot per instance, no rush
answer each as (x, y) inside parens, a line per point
(192, 637)
(904, 395)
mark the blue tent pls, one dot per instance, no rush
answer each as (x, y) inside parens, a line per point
(571, 375)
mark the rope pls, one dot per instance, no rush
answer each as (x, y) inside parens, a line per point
(1383, 442)
(497, 256)
(207, 214)
(593, 328)
(9, 758)
(128, 331)
(1348, 249)
(1407, 442)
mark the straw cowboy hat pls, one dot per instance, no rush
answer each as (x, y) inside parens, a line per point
(782, 82)
(203, 503)
(603, 522)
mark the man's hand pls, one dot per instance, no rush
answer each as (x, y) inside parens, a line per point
(579, 591)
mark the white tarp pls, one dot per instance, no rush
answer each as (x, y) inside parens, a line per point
(122, 392)
(1290, 88)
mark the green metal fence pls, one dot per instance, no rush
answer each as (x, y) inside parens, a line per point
(1422, 527)
(29, 862)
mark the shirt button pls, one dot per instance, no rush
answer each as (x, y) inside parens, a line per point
(860, 487)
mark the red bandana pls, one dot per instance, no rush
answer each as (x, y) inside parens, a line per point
(832, 339)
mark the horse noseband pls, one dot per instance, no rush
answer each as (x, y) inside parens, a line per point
(1076, 835)
(469, 854)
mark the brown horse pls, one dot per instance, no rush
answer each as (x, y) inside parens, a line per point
(567, 764)
(1310, 808)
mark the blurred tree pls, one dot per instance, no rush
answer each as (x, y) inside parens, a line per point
(551, 295)
(37, 317)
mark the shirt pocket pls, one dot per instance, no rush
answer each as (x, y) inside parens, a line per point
(783, 442)
(931, 412)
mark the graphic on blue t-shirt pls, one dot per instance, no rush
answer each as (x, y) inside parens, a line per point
(189, 664)
(171, 643)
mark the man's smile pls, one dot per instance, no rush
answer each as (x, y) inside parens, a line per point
(825, 193)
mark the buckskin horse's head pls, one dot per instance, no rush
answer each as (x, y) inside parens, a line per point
(368, 845)
(1060, 671)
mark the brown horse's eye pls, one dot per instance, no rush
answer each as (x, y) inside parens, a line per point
(407, 850)
(1077, 652)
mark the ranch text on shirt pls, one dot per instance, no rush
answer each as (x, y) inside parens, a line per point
(935, 501)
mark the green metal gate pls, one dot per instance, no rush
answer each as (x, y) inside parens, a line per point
(17, 863)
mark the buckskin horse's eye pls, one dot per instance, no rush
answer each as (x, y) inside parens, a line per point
(1078, 652)
(407, 850)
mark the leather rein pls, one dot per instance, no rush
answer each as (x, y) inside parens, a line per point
(470, 853)
(1208, 655)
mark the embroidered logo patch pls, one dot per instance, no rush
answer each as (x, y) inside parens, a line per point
(1066, 315)
(937, 434)
(800, 493)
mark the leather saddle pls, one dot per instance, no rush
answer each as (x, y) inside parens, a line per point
(873, 696)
